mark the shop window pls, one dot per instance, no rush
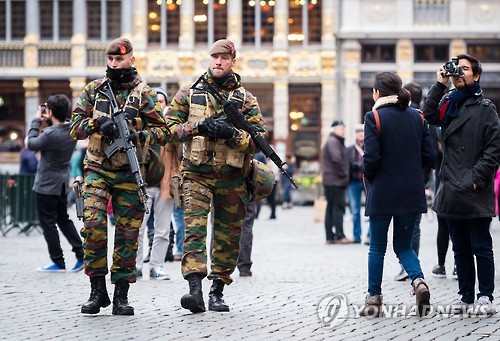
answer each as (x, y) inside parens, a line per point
(210, 20)
(304, 22)
(258, 21)
(163, 22)
(429, 53)
(56, 19)
(486, 52)
(103, 19)
(378, 53)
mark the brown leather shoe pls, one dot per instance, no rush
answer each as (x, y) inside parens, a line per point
(331, 241)
(422, 296)
(343, 241)
(245, 273)
(373, 306)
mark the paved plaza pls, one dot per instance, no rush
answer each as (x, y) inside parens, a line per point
(295, 272)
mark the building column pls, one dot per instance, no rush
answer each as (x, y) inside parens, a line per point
(32, 34)
(404, 60)
(139, 36)
(77, 84)
(127, 27)
(280, 39)
(186, 38)
(79, 38)
(31, 98)
(350, 93)
(139, 33)
(328, 105)
(280, 116)
(234, 22)
(457, 46)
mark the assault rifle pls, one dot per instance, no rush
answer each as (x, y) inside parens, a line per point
(235, 117)
(121, 142)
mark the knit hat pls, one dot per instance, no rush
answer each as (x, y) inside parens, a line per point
(223, 46)
(359, 127)
(119, 46)
(161, 91)
(337, 123)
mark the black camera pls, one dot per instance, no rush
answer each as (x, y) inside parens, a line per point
(452, 68)
(43, 109)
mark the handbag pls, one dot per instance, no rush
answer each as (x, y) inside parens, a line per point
(319, 210)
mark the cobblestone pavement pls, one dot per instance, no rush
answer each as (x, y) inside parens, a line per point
(293, 271)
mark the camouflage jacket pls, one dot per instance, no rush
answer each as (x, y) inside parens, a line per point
(183, 131)
(83, 125)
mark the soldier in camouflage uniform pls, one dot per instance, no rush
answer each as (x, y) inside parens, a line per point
(111, 178)
(216, 160)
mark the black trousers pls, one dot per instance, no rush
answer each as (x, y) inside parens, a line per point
(335, 209)
(52, 210)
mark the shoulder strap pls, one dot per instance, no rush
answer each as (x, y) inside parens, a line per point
(377, 122)
(421, 113)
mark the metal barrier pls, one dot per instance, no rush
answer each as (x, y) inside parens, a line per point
(17, 204)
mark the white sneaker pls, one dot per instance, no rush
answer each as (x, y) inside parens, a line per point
(483, 306)
(158, 274)
(458, 306)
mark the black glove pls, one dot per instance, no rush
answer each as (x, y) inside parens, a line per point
(107, 126)
(140, 135)
(204, 125)
(222, 130)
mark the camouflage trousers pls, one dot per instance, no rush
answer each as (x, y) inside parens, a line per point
(121, 187)
(227, 194)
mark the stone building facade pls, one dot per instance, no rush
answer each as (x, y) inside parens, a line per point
(308, 61)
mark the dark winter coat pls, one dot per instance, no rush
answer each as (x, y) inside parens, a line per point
(471, 155)
(334, 165)
(393, 161)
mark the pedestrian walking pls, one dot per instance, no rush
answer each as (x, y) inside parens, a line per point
(52, 180)
(107, 177)
(471, 155)
(217, 158)
(397, 145)
(163, 203)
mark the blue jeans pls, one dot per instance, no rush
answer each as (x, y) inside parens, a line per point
(471, 237)
(179, 227)
(403, 232)
(355, 190)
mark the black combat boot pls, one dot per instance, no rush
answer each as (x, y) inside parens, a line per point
(194, 300)
(98, 296)
(215, 301)
(120, 299)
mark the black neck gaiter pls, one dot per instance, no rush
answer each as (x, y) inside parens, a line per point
(120, 75)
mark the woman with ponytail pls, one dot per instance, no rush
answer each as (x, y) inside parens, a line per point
(397, 146)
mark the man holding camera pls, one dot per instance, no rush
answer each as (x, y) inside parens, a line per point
(52, 180)
(465, 196)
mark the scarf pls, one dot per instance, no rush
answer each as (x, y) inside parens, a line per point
(449, 109)
(120, 75)
(392, 99)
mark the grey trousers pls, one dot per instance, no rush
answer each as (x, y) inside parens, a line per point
(244, 259)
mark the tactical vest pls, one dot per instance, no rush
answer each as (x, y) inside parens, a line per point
(98, 142)
(201, 150)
